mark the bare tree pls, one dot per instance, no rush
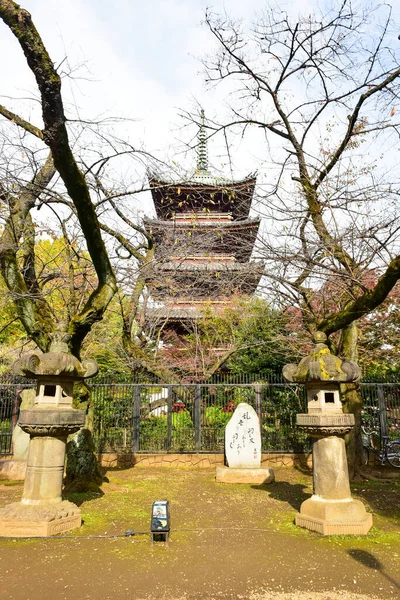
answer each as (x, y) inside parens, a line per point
(320, 77)
(322, 89)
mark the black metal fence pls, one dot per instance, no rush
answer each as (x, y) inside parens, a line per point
(192, 417)
(381, 410)
(132, 417)
(9, 411)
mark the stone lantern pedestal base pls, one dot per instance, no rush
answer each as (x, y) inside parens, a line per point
(334, 517)
(42, 512)
(23, 520)
(331, 510)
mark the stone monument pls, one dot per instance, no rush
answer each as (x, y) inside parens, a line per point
(42, 512)
(15, 468)
(331, 509)
(243, 449)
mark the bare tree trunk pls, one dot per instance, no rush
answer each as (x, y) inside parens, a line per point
(352, 402)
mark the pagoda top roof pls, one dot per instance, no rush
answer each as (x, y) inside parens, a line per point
(200, 179)
(202, 190)
(202, 176)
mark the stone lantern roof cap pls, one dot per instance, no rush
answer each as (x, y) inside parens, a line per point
(56, 362)
(322, 366)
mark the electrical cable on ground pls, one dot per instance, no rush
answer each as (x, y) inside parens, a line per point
(132, 533)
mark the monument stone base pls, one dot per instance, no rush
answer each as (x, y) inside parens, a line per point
(334, 517)
(13, 470)
(25, 520)
(241, 475)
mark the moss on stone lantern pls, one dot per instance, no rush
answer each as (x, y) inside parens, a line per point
(322, 373)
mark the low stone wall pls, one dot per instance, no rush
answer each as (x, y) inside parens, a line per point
(15, 469)
(125, 461)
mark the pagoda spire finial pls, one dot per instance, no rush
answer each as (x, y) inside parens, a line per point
(202, 158)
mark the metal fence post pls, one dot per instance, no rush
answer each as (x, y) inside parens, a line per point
(169, 419)
(197, 418)
(382, 411)
(136, 419)
(15, 413)
(257, 389)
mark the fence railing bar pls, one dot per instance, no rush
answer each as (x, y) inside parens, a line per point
(136, 420)
(169, 419)
(197, 418)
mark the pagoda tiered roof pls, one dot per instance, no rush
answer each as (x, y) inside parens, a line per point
(208, 280)
(202, 193)
(210, 237)
(162, 313)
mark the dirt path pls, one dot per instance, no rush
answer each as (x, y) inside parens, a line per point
(227, 542)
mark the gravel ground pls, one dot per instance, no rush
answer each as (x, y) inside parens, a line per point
(310, 596)
(228, 542)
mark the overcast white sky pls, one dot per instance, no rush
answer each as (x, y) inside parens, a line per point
(143, 58)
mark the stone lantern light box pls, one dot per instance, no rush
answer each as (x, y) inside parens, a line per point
(54, 393)
(323, 397)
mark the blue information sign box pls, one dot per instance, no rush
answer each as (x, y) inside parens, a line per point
(160, 519)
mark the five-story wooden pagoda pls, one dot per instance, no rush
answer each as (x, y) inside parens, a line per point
(204, 239)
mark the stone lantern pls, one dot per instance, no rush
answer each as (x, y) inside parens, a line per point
(331, 509)
(42, 512)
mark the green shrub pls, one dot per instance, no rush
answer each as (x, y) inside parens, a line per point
(182, 419)
(153, 433)
(216, 417)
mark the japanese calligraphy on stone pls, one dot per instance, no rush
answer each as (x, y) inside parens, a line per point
(243, 439)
